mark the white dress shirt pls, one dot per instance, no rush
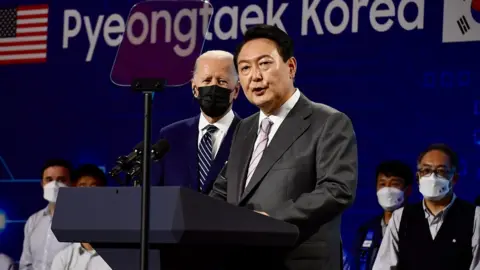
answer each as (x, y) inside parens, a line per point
(223, 125)
(40, 244)
(387, 257)
(278, 117)
(384, 226)
(75, 257)
(6, 262)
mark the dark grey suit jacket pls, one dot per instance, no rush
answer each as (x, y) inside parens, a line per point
(307, 176)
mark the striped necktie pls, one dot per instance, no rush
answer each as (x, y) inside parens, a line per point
(205, 155)
(262, 139)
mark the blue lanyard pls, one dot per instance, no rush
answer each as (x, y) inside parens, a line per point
(365, 250)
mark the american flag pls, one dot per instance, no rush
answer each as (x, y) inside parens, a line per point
(23, 34)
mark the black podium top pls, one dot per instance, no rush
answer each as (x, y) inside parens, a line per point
(178, 216)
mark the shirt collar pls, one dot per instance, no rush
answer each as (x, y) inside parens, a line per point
(82, 250)
(45, 211)
(441, 213)
(283, 111)
(223, 124)
(382, 222)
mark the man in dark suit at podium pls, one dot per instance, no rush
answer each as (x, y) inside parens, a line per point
(295, 160)
(199, 146)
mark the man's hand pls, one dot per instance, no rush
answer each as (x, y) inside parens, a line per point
(263, 213)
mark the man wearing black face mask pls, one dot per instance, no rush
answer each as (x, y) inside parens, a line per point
(199, 146)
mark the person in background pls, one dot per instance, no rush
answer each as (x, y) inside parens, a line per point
(89, 175)
(199, 146)
(6, 263)
(393, 185)
(40, 244)
(442, 231)
(82, 256)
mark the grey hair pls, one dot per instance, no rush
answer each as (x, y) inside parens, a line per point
(218, 54)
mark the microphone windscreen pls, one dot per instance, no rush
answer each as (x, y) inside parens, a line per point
(139, 146)
(160, 148)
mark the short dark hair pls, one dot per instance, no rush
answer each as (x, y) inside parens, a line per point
(442, 148)
(283, 40)
(92, 171)
(57, 162)
(396, 168)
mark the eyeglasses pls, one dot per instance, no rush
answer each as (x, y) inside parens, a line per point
(443, 172)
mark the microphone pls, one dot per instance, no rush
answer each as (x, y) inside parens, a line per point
(125, 162)
(159, 149)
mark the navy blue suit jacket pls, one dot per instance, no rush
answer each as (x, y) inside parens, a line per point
(179, 167)
(375, 226)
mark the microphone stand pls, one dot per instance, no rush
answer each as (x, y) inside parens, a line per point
(133, 173)
(147, 86)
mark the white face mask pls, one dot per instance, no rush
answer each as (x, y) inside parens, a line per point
(50, 190)
(434, 187)
(390, 198)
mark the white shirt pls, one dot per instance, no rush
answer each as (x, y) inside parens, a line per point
(40, 244)
(278, 117)
(223, 125)
(5, 262)
(75, 257)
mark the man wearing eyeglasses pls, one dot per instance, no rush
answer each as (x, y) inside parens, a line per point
(442, 231)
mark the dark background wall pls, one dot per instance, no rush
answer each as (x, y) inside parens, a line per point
(403, 86)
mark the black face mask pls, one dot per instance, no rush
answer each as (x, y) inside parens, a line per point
(214, 100)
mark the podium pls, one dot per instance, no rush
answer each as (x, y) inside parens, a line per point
(188, 230)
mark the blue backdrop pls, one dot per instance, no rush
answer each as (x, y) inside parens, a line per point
(405, 71)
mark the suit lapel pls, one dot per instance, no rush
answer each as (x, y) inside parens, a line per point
(290, 130)
(378, 236)
(245, 152)
(191, 153)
